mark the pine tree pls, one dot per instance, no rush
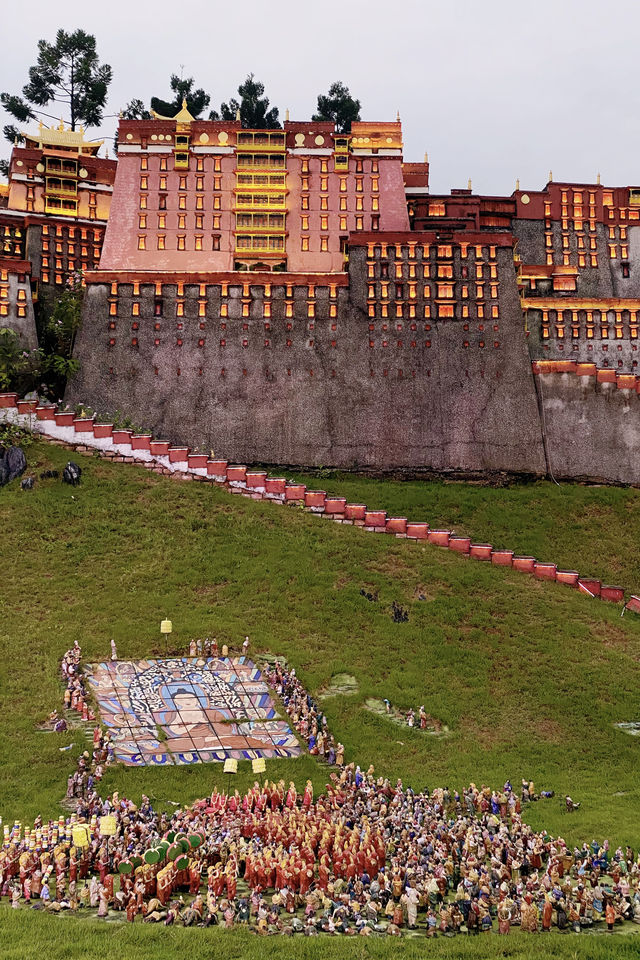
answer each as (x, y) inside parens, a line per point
(339, 107)
(253, 106)
(197, 100)
(67, 73)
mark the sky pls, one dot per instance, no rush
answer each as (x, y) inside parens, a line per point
(494, 90)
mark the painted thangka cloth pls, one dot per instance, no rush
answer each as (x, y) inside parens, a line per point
(189, 710)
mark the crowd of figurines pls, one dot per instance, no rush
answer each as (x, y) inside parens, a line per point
(305, 714)
(366, 858)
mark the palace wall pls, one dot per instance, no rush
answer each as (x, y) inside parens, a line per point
(381, 373)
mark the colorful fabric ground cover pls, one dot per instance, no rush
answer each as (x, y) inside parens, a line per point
(189, 710)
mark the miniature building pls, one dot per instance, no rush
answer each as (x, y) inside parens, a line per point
(299, 296)
(52, 219)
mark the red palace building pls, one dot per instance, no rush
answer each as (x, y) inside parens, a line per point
(298, 296)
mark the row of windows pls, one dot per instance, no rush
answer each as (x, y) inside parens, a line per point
(440, 310)
(181, 242)
(181, 221)
(426, 270)
(444, 291)
(72, 232)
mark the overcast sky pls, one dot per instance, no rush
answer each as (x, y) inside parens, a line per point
(492, 89)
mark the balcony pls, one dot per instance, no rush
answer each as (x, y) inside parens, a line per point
(261, 141)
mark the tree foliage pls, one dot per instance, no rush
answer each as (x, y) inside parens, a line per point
(339, 107)
(135, 110)
(197, 100)
(69, 77)
(253, 106)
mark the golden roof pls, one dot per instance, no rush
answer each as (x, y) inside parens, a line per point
(182, 116)
(63, 138)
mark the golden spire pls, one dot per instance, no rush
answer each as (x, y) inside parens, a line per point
(469, 184)
(518, 183)
(398, 117)
(550, 176)
(238, 114)
(598, 179)
(286, 115)
(426, 157)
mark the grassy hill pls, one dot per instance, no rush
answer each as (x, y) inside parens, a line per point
(529, 677)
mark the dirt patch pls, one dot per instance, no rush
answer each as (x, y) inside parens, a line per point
(340, 685)
(433, 728)
(210, 589)
(546, 729)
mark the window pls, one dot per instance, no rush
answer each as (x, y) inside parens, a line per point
(144, 183)
(162, 221)
(182, 201)
(162, 201)
(215, 238)
(142, 242)
(183, 183)
(324, 183)
(199, 164)
(217, 204)
(343, 203)
(161, 241)
(359, 184)
(144, 163)
(359, 223)
(217, 183)
(324, 243)
(181, 242)
(199, 203)
(445, 310)
(198, 242)
(324, 167)
(304, 243)
(199, 183)
(343, 223)
(304, 201)
(199, 221)
(375, 222)
(142, 221)
(163, 163)
(324, 203)
(343, 184)
(304, 223)
(445, 270)
(217, 165)
(359, 203)
(375, 203)
(182, 221)
(162, 185)
(143, 202)
(324, 223)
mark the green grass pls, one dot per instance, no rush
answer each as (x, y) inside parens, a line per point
(530, 677)
(61, 937)
(592, 529)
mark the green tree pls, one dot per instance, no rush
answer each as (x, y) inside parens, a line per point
(197, 100)
(253, 106)
(67, 74)
(135, 110)
(339, 107)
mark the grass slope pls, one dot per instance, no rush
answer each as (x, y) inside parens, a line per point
(529, 677)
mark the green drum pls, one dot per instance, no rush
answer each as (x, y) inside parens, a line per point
(174, 851)
(125, 866)
(182, 862)
(153, 855)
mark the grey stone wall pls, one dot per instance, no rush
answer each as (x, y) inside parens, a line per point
(321, 391)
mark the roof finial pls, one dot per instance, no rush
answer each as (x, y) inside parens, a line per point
(238, 114)
(286, 115)
(518, 183)
(398, 116)
(598, 179)
(550, 176)
(426, 157)
(469, 184)
(184, 103)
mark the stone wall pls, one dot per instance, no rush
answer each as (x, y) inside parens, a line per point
(308, 370)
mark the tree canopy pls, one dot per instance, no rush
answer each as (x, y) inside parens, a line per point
(197, 100)
(135, 110)
(339, 107)
(253, 106)
(67, 75)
